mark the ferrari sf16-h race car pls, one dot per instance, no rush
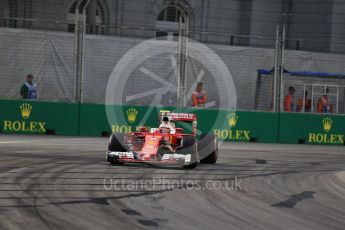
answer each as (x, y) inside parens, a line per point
(157, 146)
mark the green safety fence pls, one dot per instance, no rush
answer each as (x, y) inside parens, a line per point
(311, 129)
(94, 120)
(228, 126)
(34, 117)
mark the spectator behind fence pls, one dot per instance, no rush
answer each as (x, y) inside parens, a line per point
(289, 104)
(307, 103)
(29, 88)
(199, 96)
(323, 104)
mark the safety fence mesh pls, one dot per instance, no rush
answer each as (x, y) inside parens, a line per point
(51, 56)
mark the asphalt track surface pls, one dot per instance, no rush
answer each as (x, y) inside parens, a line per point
(50, 182)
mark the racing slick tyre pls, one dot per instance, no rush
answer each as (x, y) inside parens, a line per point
(189, 147)
(208, 149)
(116, 144)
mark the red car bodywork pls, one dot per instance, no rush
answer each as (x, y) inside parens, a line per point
(143, 146)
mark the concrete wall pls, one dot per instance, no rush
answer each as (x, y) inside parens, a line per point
(264, 17)
(310, 20)
(338, 28)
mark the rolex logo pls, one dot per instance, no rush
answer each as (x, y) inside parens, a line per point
(327, 124)
(132, 115)
(25, 109)
(232, 119)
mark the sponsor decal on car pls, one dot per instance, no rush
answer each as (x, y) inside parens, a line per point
(175, 156)
(122, 154)
(187, 159)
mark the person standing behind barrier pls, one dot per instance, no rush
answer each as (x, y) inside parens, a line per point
(289, 105)
(29, 88)
(199, 96)
(307, 103)
(323, 105)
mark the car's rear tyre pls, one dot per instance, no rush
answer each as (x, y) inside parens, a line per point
(208, 149)
(189, 147)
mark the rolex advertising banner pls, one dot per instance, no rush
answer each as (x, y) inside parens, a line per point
(96, 120)
(33, 117)
(239, 126)
(312, 129)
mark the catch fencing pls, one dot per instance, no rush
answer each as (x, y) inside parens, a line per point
(71, 65)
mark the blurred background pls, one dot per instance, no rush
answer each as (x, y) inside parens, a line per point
(269, 46)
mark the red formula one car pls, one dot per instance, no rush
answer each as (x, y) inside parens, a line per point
(165, 146)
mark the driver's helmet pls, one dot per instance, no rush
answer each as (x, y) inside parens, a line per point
(165, 119)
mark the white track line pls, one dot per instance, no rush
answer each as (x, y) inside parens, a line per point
(46, 140)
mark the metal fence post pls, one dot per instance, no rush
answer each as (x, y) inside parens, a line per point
(80, 28)
(185, 59)
(276, 71)
(182, 59)
(337, 109)
(76, 52)
(281, 67)
(79, 60)
(312, 98)
(303, 104)
(82, 49)
(179, 62)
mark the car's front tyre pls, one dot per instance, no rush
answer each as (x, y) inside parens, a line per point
(116, 144)
(208, 149)
(189, 146)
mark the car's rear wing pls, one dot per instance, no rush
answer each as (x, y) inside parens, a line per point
(187, 117)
